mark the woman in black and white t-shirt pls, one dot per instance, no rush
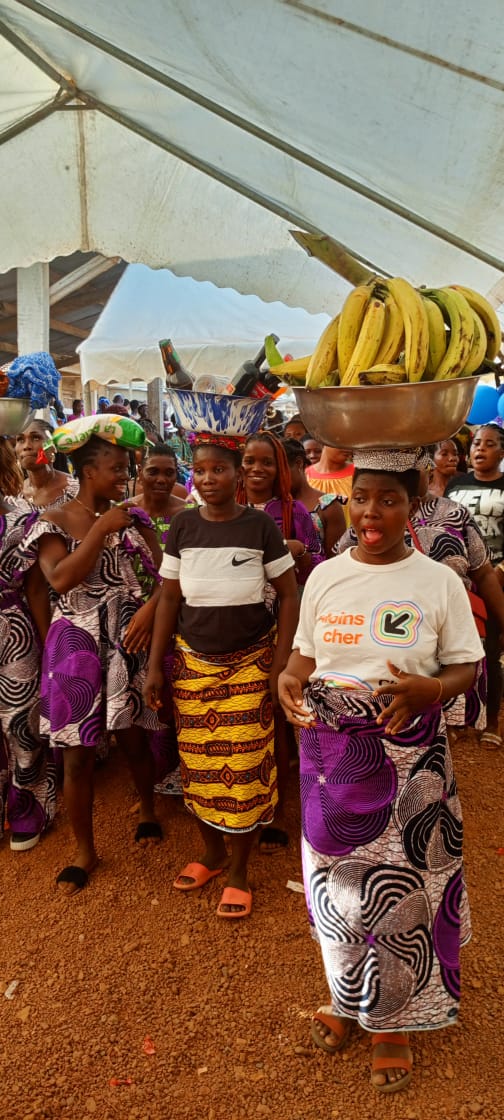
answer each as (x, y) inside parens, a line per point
(228, 654)
(481, 491)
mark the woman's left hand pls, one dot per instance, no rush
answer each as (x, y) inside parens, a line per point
(138, 632)
(412, 694)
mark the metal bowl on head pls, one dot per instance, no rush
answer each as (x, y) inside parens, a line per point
(374, 416)
(13, 413)
(218, 413)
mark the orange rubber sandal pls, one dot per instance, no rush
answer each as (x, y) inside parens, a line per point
(402, 1059)
(336, 1025)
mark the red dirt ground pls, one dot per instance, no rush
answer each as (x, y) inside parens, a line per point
(225, 1004)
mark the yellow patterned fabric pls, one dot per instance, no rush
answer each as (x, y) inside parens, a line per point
(224, 722)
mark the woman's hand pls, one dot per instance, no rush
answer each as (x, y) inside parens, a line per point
(115, 519)
(298, 550)
(138, 632)
(152, 689)
(413, 694)
(290, 694)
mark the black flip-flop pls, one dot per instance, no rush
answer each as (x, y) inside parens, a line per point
(77, 876)
(275, 836)
(149, 830)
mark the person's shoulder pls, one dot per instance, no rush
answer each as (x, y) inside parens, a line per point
(461, 482)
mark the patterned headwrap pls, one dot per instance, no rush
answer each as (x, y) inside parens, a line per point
(392, 459)
(232, 443)
(34, 376)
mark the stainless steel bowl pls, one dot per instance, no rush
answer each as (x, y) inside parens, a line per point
(386, 415)
(13, 413)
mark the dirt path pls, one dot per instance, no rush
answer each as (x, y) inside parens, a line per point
(226, 1005)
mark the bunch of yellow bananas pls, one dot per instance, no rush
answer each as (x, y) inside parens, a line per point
(388, 331)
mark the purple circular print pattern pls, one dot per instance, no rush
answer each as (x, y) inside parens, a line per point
(348, 785)
(71, 675)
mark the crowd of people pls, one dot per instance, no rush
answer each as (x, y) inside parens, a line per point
(220, 611)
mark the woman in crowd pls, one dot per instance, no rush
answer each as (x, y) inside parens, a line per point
(481, 490)
(156, 482)
(96, 645)
(28, 780)
(228, 654)
(44, 487)
(385, 638)
(445, 456)
(313, 449)
(325, 509)
(265, 485)
(294, 428)
(333, 473)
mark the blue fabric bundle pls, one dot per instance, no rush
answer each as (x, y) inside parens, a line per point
(34, 376)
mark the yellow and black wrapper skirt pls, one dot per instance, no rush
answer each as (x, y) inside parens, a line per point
(225, 732)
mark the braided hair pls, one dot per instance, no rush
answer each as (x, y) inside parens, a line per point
(282, 483)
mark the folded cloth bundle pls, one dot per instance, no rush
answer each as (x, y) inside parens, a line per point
(34, 376)
(121, 430)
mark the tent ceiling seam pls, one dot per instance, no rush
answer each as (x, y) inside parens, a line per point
(34, 56)
(394, 44)
(32, 119)
(346, 181)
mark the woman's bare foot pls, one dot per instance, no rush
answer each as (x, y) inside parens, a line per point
(74, 877)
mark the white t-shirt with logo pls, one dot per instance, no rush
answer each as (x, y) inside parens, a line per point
(355, 617)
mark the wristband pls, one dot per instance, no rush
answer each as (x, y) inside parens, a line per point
(438, 699)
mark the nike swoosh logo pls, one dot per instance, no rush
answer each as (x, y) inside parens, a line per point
(236, 563)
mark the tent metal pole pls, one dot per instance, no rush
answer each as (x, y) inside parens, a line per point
(38, 60)
(33, 118)
(276, 142)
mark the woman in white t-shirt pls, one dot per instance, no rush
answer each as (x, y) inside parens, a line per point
(385, 636)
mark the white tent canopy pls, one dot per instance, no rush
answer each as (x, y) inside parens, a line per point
(193, 135)
(213, 329)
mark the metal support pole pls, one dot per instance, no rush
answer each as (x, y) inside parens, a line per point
(155, 403)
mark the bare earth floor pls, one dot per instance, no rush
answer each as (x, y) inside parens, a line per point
(225, 1005)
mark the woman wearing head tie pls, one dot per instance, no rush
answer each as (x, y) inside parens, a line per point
(385, 637)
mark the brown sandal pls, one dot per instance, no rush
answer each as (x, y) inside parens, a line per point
(402, 1059)
(336, 1025)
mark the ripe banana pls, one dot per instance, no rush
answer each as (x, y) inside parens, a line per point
(437, 337)
(479, 346)
(416, 326)
(385, 374)
(456, 309)
(352, 316)
(489, 316)
(393, 336)
(296, 368)
(368, 343)
(325, 357)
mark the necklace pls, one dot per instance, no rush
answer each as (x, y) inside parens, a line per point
(88, 510)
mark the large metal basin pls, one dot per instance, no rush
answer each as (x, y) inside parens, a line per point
(13, 413)
(386, 415)
(218, 413)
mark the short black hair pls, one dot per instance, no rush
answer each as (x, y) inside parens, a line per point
(294, 450)
(83, 456)
(410, 480)
(231, 453)
(134, 405)
(495, 428)
(150, 449)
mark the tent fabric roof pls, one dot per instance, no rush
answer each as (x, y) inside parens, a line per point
(213, 329)
(192, 136)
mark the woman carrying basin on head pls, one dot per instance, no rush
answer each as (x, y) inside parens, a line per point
(385, 636)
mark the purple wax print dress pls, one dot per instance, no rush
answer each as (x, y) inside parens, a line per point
(89, 683)
(381, 818)
(28, 772)
(163, 743)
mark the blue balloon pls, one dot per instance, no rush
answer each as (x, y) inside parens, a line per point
(485, 405)
(500, 406)
(500, 390)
